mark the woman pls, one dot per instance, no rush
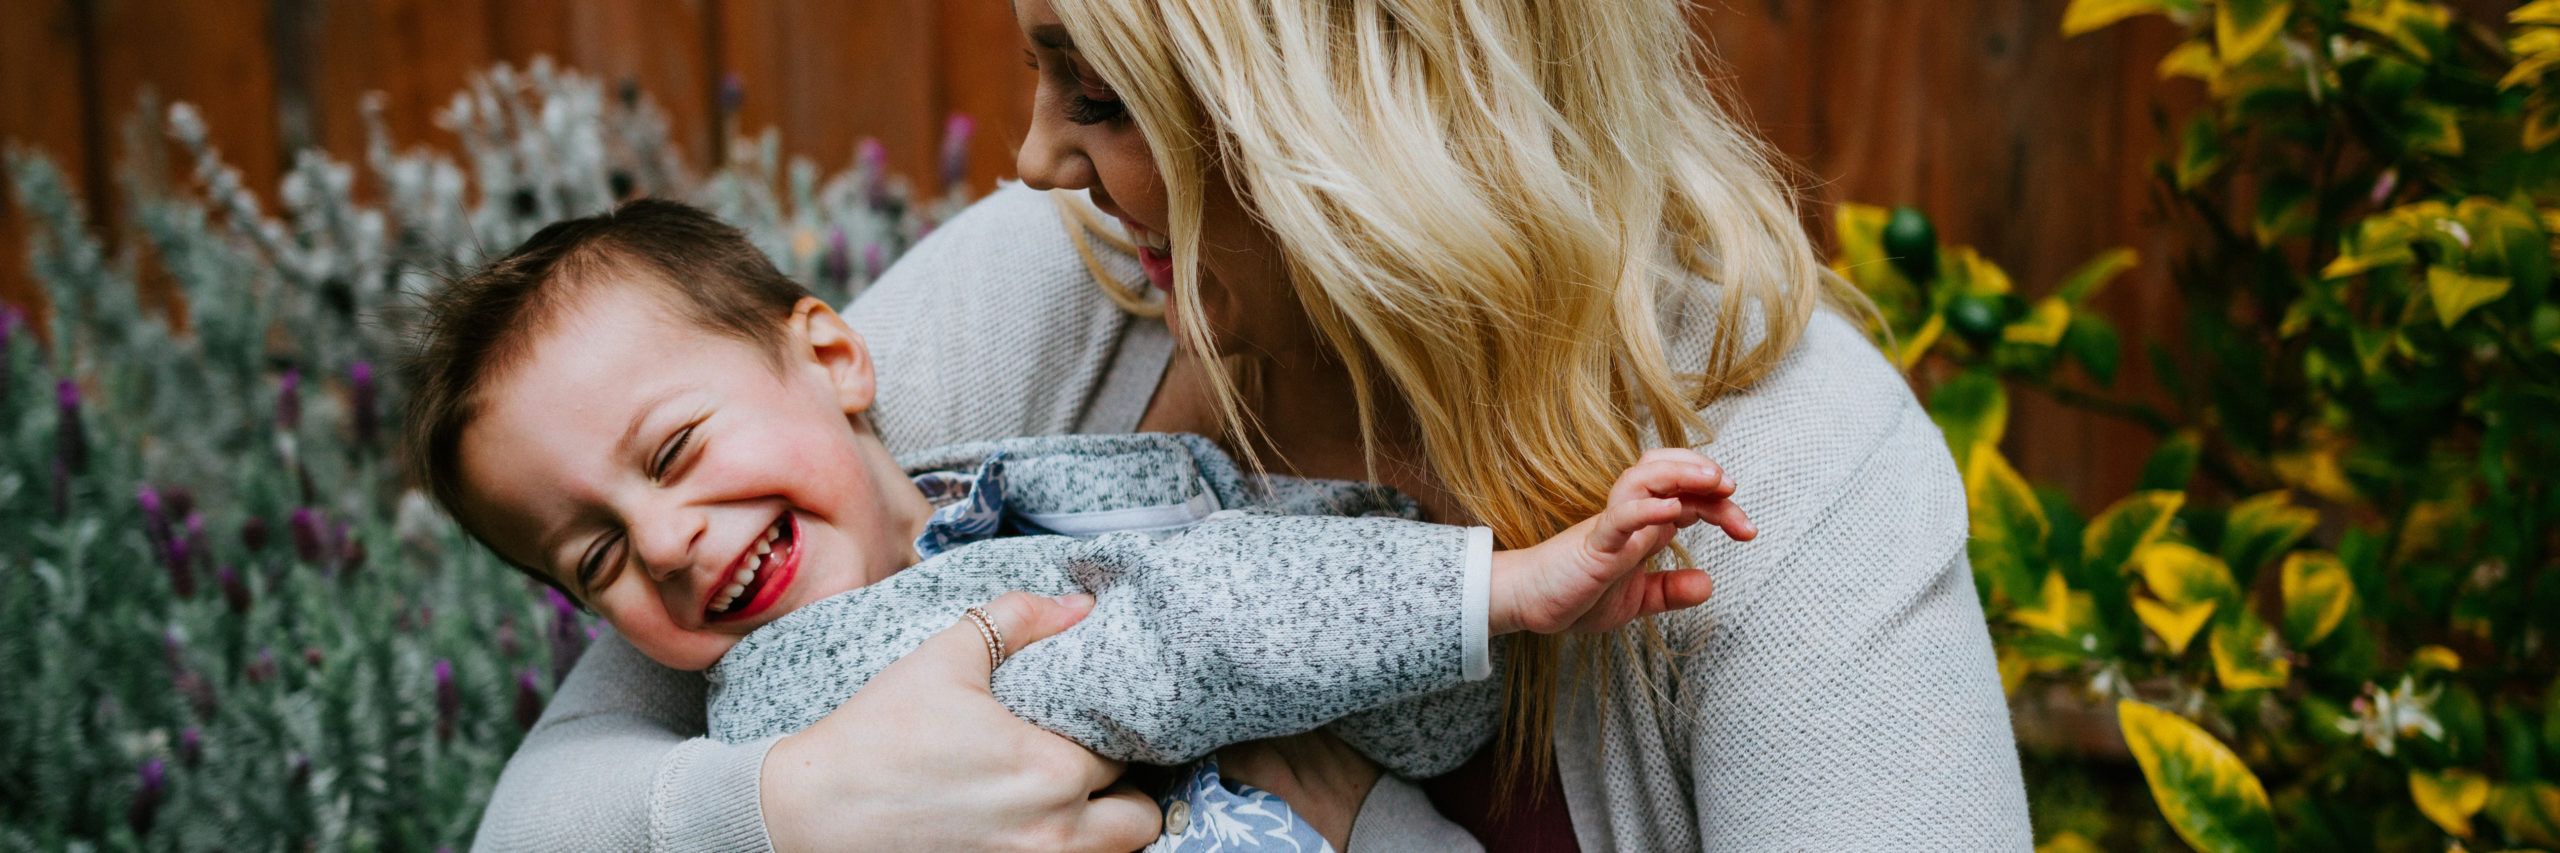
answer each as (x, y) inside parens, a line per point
(1484, 251)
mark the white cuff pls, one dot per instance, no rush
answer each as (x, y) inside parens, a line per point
(1476, 604)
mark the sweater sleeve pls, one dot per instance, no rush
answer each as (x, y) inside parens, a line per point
(1250, 626)
(616, 749)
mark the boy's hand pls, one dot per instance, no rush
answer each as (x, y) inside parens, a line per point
(1591, 577)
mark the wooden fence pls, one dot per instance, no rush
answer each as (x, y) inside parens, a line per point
(2034, 148)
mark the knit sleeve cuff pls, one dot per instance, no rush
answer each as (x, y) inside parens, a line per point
(1476, 604)
(706, 798)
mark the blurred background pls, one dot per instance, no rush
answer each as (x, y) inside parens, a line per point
(2032, 147)
(2237, 316)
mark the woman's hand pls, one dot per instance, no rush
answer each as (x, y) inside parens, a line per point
(1321, 778)
(923, 758)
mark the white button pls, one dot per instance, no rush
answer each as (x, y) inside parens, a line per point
(1177, 817)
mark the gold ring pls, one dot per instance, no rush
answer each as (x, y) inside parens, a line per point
(994, 636)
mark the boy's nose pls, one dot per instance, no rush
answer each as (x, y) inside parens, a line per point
(666, 543)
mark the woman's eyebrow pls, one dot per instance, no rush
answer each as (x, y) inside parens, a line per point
(1053, 37)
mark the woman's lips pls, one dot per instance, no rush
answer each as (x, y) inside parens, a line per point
(1158, 266)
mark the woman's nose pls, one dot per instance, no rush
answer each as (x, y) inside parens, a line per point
(1050, 159)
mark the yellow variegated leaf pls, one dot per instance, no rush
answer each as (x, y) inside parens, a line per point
(2262, 527)
(2437, 129)
(1969, 272)
(2455, 294)
(2088, 15)
(2124, 528)
(2192, 59)
(2317, 590)
(2449, 798)
(2407, 24)
(2052, 611)
(2067, 841)
(2315, 470)
(1911, 347)
(2529, 811)
(2247, 655)
(2536, 12)
(2083, 283)
(2013, 670)
(2043, 325)
(2176, 624)
(2435, 657)
(2529, 66)
(2207, 793)
(2000, 501)
(2179, 574)
(2427, 526)
(2243, 27)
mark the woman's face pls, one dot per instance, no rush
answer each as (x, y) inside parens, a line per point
(1083, 138)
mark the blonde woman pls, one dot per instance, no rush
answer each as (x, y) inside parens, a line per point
(1486, 252)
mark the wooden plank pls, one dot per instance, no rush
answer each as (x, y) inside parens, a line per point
(660, 45)
(213, 54)
(42, 107)
(828, 74)
(416, 53)
(981, 74)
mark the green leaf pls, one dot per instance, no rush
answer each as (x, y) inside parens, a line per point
(2206, 792)
(2450, 798)
(2173, 463)
(2247, 655)
(2262, 527)
(2084, 16)
(2435, 129)
(2176, 624)
(2317, 594)
(2199, 153)
(2418, 28)
(2007, 522)
(2092, 340)
(2084, 283)
(2529, 811)
(2283, 210)
(2455, 294)
(2043, 325)
(2179, 574)
(2241, 28)
(2127, 526)
(2546, 326)
(1971, 408)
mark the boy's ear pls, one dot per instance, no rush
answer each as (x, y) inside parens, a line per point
(835, 348)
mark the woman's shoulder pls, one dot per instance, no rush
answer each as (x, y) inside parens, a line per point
(1821, 415)
(990, 326)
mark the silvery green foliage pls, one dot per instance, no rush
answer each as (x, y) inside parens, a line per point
(208, 558)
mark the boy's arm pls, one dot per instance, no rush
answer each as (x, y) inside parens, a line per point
(1250, 626)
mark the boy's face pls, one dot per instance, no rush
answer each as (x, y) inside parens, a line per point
(645, 463)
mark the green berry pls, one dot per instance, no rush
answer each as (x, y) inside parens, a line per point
(1912, 243)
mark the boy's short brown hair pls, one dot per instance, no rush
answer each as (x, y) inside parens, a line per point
(484, 322)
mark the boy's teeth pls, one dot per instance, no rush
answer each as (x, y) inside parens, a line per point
(764, 546)
(747, 576)
(734, 590)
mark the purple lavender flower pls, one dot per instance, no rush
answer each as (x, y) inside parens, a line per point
(528, 699)
(199, 694)
(311, 656)
(145, 807)
(836, 267)
(262, 670)
(155, 518)
(955, 148)
(872, 159)
(874, 261)
(235, 591)
(289, 400)
(300, 777)
(197, 543)
(182, 577)
(191, 747)
(733, 92)
(71, 446)
(305, 527)
(567, 641)
(367, 416)
(448, 700)
(350, 554)
(508, 644)
(61, 488)
(253, 534)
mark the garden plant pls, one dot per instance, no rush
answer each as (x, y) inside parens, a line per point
(2327, 618)
(225, 621)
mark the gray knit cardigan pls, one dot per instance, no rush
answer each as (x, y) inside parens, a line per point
(1838, 693)
(1276, 606)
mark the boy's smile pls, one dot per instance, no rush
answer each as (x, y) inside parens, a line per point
(678, 481)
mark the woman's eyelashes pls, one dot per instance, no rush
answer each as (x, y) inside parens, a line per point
(1089, 101)
(1085, 110)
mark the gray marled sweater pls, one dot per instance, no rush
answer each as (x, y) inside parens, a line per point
(1268, 613)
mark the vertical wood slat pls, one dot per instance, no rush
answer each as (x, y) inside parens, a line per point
(40, 107)
(2033, 148)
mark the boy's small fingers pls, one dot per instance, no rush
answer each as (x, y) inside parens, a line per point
(1677, 590)
(1729, 516)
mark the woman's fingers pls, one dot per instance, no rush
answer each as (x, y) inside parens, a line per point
(1019, 619)
(1119, 820)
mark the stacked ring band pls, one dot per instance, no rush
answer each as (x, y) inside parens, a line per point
(994, 636)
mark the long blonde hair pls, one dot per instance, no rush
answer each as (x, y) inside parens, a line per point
(1485, 204)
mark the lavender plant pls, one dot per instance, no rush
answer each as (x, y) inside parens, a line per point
(225, 621)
